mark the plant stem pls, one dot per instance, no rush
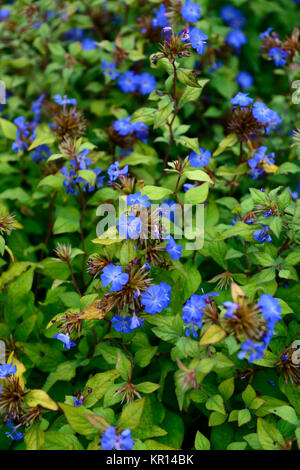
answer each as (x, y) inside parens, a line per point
(170, 124)
(73, 278)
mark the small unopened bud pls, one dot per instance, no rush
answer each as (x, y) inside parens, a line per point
(63, 252)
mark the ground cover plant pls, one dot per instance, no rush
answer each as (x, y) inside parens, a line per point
(149, 225)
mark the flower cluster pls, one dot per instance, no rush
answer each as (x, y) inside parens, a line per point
(250, 119)
(111, 440)
(236, 20)
(129, 82)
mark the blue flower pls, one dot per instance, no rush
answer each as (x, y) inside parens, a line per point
(255, 350)
(146, 266)
(13, 434)
(173, 249)
(265, 115)
(262, 235)
(241, 99)
(294, 194)
(7, 369)
(70, 180)
(88, 44)
(260, 155)
(74, 34)
(160, 19)
(61, 101)
(230, 308)
(140, 130)
(114, 171)
(244, 79)
(166, 294)
(65, 339)
(122, 324)
(156, 298)
(232, 16)
(198, 40)
(265, 33)
(190, 11)
(278, 55)
(77, 402)
(98, 183)
(128, 82)
(129, 227)
(188, 186)
(236, 38)
(36, 107)
(81, 161)
(201, 160)
(137, 198)
(123, 126)
(115, 276)
(4, 14)
(146, 83)
(270, 309)
(136, 322)
(42, 152)
(193, 314)
(110, 69)
(111, 440)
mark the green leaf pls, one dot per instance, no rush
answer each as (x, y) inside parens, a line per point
(147, 387)
(43, 139)
(2, 245)
(97, 421)
(191, 93)
(76, 417)
(131, 414)
(201, 442)
(196, 195)
(61, 441)
(212, 335)
(67, 220)
(54, 181)
(215, 403)
(65, 371)
(99, 383)
(226, 388)
(228, 142)
(9, 129)
(269, 437)
(189, 142)
(197, 175)
(216, 418)
(258, 197)
(40, 398)
(244, 416)
(287, 413)
(187, 77)
(276, 226)
(88, 175)
(34, 437)
(161, 116)
(156, 193)
(248, 395)
(123, 366)
(239, 229)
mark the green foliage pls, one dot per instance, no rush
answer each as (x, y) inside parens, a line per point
(173, 383)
